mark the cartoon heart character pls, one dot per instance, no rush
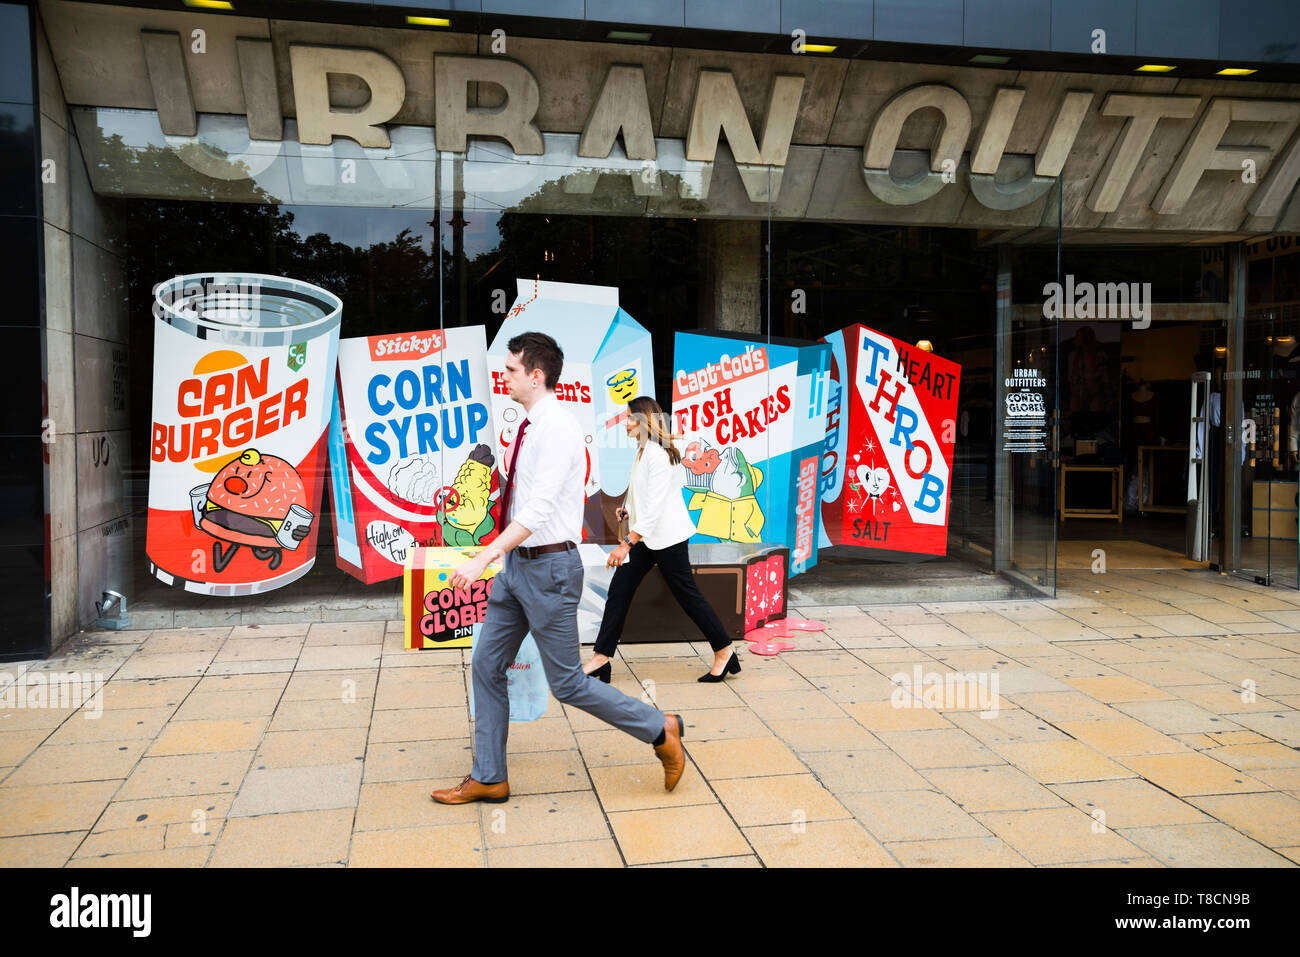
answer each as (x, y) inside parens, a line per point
(873, 481)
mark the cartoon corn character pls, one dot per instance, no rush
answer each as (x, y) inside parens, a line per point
(723, 490)
(469, 521)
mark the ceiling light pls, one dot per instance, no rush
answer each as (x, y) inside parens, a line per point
(1235, 71)
(1155, 68)
(428, 21)
(925, 345)
(989, 58)
(627, 35)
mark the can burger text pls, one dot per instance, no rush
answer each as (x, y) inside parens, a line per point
(226, 410)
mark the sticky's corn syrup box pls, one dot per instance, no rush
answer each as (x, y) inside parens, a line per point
(412, 456)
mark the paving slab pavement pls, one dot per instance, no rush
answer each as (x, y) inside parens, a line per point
(1144, 719)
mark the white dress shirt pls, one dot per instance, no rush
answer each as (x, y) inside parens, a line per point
(656, 510)
(550, 473)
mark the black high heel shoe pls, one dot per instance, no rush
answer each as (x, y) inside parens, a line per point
(732, 667)
(603, 672)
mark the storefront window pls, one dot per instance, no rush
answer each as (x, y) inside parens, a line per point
(838, 369)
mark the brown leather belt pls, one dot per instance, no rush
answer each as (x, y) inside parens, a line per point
(544, 549)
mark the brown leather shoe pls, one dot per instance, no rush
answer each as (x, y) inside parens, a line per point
(470, 790)
(670, 752)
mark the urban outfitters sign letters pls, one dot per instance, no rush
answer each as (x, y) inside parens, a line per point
(622, 108)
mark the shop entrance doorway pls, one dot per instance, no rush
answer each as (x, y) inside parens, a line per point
(1126, 441)
(1258, 358)
(1135, 326)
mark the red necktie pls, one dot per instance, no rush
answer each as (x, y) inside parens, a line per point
(510, 478)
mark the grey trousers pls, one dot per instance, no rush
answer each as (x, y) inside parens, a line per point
(540, 595)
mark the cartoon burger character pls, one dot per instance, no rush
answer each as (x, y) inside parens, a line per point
(255, 500)
(468, 519)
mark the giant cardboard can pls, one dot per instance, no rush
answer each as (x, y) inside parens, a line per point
(753, 413)
(607, 363)
(887, 466)
(411, 448)
(243, 372)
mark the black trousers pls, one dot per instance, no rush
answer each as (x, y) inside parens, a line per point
(675, 565)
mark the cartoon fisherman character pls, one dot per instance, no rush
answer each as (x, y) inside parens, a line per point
(723, 486)
(255, 500)
(468, 519)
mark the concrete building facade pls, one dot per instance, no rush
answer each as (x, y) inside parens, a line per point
(922, 168)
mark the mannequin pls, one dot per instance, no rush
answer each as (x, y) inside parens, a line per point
(1286, 389)
(1144, 414)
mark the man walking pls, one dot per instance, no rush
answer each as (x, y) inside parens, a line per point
(539, 587)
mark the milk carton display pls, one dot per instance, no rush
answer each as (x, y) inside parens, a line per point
(243, 368)
(886, 476)
(411, 451)
(607, 362)
(753, 412)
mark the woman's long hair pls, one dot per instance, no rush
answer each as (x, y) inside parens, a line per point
(652, 420)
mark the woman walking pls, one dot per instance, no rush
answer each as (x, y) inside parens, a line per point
(658, 527)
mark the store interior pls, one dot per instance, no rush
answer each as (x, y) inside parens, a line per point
(1126, 439)
(1128, 429)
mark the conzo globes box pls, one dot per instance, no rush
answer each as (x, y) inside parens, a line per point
(607, 363)
(437, 615)
(411, 450)
(440, 616)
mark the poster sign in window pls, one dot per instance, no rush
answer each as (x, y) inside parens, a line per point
(243, 371)
(1025, 414)
(411, 448)
(886, 476)
(752, 412)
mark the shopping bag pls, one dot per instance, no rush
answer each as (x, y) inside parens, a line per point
(525, 683)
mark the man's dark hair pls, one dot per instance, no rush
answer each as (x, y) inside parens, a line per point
(537, 350)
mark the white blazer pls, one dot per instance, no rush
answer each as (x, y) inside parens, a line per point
(658, 512)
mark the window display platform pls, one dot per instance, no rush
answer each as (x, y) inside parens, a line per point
(842, 577)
